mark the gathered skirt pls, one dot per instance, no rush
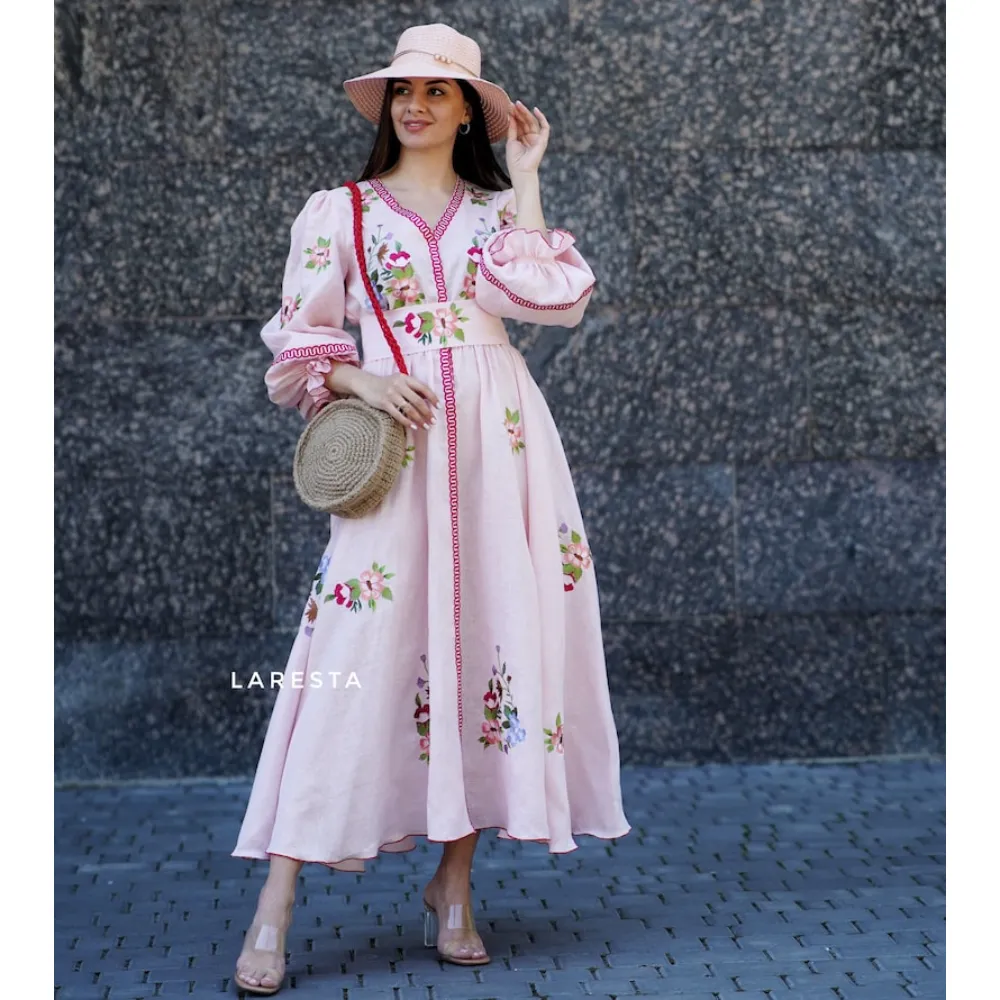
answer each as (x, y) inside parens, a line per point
(448, 671)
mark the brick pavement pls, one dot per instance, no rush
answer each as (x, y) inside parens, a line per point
(781, 880)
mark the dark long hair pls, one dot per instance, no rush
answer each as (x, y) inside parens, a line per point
(473, 157)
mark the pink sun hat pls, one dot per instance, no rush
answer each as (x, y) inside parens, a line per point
(433, 50)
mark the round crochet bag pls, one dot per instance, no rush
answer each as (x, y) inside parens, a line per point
(350, 453)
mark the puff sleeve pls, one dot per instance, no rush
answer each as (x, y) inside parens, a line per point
(524, 276)
(306, 334)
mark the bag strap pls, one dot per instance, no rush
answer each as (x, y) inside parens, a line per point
(359, 250)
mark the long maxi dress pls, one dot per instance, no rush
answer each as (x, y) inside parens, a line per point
(466, 606)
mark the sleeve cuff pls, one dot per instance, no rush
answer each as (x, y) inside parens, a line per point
(509, 244)
(537, 276)
(297, 376)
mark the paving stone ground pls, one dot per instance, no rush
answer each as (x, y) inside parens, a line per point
(782, 880)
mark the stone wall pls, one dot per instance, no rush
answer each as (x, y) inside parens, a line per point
(753, 407)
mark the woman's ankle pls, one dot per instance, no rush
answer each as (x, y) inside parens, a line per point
(450, 883)
(276, 897)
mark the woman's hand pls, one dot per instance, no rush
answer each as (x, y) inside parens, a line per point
(527, 137)
(403, 397)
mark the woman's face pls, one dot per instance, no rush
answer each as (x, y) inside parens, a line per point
(427, 111)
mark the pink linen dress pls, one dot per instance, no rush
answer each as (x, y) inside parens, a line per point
(448, 672)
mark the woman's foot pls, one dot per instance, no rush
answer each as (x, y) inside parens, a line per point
(457, 939)
(261, 965)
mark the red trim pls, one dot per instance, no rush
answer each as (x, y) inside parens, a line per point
(319, 351)
(431, 236)
(517, 300)
(264, 855)
(448, 387)
(359, 252)
(449, 212)
(437, 267)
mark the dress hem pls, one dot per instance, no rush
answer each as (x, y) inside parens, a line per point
(256, 855)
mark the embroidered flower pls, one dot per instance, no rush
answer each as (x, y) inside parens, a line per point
(312, 610)
(319, 255)
(507, 217)
(576, 556)
(409, 454)
(405, 290)
(368, 588)
(289, 307)
(554, 736)
(478, 196)
(399, 260)
(491, 734)
(316, 588)
(475, 255)
(502, 727)
(515, 433)
(368, 196)
(390, 269)
(445, 322)
(372, 583)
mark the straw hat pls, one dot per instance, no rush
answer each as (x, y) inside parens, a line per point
(433, 50)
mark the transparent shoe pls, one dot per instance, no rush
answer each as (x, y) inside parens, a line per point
(454, 944)
(260, 968)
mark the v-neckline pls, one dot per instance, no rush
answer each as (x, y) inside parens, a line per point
(432, 235)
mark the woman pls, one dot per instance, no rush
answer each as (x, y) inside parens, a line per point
(473, 579)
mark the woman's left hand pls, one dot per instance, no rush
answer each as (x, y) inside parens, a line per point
(527, 137)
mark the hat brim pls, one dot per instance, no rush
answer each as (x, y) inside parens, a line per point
(368, 92)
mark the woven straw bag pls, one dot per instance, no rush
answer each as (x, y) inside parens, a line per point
(350, 453)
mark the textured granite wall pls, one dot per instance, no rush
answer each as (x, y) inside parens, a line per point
(753, 407)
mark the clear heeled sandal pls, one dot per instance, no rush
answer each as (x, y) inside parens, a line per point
(269, 943)
(455, 950)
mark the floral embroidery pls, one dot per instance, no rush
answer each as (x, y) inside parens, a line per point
(443, 322)
(391, 272)
(422, 715)
(369, 588)
(289, 307)
(475, 254)
(368, 196)
(408, 455)
(554, 737)
(576, 556)
(478, 197)
(498, 702)
(515, 433)
(312, 608)
(507, 217)
(319, 255)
